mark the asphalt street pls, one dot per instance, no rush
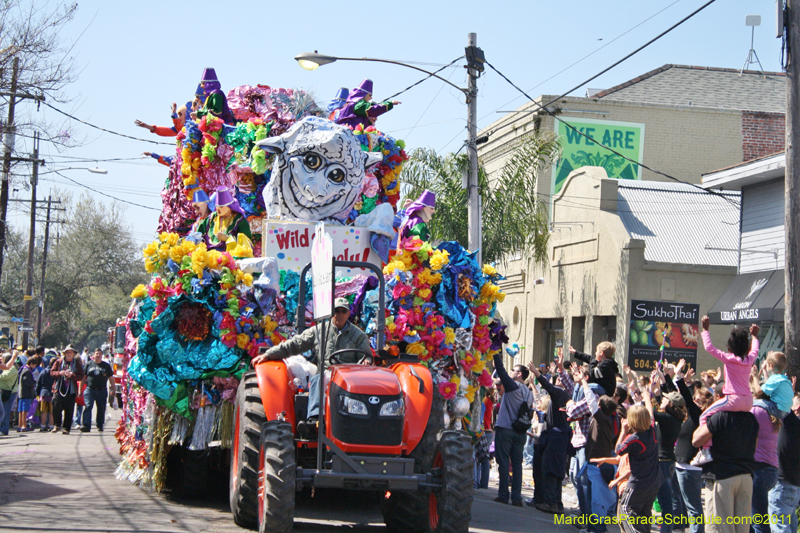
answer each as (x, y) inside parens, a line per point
(54, 482)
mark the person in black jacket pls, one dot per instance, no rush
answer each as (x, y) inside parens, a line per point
(602, 368)
(689, 493)
(27, 391)
(550, 454)
(668, 422)
(44, 387)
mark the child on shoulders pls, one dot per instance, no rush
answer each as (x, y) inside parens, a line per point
(738, 361)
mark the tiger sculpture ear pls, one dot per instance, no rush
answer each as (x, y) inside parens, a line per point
(272, 145)
(372, 158)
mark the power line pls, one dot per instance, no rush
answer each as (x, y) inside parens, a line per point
(104, 129)
(430, 104)
(630, 160)
(104, 194)
(425, 78)
(586, 56)
(557, 98)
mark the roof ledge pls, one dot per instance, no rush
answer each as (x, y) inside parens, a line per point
(747, 173)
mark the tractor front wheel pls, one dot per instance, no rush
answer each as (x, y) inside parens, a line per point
(450, 506)
(276, 483)
(244, 456)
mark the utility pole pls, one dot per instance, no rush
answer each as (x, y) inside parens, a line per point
(44, 267)
(8, 142)
(474, 67)
(28, 297)
(792, 191)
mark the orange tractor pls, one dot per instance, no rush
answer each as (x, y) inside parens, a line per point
(382, 431)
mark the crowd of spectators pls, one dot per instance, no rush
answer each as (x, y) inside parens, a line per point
(41, 388)
(718, 454)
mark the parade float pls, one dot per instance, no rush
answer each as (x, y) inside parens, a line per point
(270, 157)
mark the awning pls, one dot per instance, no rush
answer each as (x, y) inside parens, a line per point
(752, 297)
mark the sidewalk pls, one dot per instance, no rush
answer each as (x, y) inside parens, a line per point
(54, 482)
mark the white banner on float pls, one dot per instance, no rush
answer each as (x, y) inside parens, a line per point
(290, 244)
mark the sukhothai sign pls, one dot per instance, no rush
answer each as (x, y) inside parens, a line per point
(662, 331)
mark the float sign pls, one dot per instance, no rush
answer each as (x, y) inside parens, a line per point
(655, 324)
(290, 244)
(322, 273)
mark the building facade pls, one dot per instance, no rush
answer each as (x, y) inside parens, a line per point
(756, 295)
(613, 243)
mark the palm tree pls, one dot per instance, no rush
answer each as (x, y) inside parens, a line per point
(514, 217)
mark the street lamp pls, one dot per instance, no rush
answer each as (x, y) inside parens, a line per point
(311, 61)
(92, 170)
(475, 60)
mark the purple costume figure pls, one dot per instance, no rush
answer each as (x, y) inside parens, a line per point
(203, 207)
(359, 110)
(215, 101)
(337, 103)
(417, 216)
(228, 219)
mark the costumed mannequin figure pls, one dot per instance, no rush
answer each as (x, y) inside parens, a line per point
(178, 119)
(417, 216)
(227, 224)
(202, 206)
(337, 103)
(165, 160)
(215, 101)
(360, 110)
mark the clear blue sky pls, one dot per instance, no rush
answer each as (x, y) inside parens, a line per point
(138, 57)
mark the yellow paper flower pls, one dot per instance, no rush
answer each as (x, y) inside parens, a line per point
(393, 266)
(424, 294)
(439, 259)
(241, 340)
(449, 335)
(478, 367)
(248, 279)
(455, 379)
(470, 394)
(489, 270)
(177, 253)
(215, 257)
(139, 292)
(407, 259)
(163, 252)
(150, 265)
(268, 324)
(415, 348)
(150, 249)
(199, 259)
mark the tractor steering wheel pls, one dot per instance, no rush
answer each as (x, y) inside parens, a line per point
(365, 356)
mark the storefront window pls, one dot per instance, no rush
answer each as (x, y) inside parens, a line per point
(771, 338)
(553, 339)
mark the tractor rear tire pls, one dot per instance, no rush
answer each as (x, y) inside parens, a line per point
(449, 508)
(248, 420)
(407, 512)
(276, 486)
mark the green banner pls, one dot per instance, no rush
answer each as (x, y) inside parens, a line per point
(580, 151)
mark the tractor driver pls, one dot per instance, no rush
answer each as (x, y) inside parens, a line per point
(341, 336)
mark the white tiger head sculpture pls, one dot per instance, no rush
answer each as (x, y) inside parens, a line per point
(318, 172)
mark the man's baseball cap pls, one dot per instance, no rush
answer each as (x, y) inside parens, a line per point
(341, 302)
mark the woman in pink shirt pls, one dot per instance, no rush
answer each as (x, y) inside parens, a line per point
(737, 361)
